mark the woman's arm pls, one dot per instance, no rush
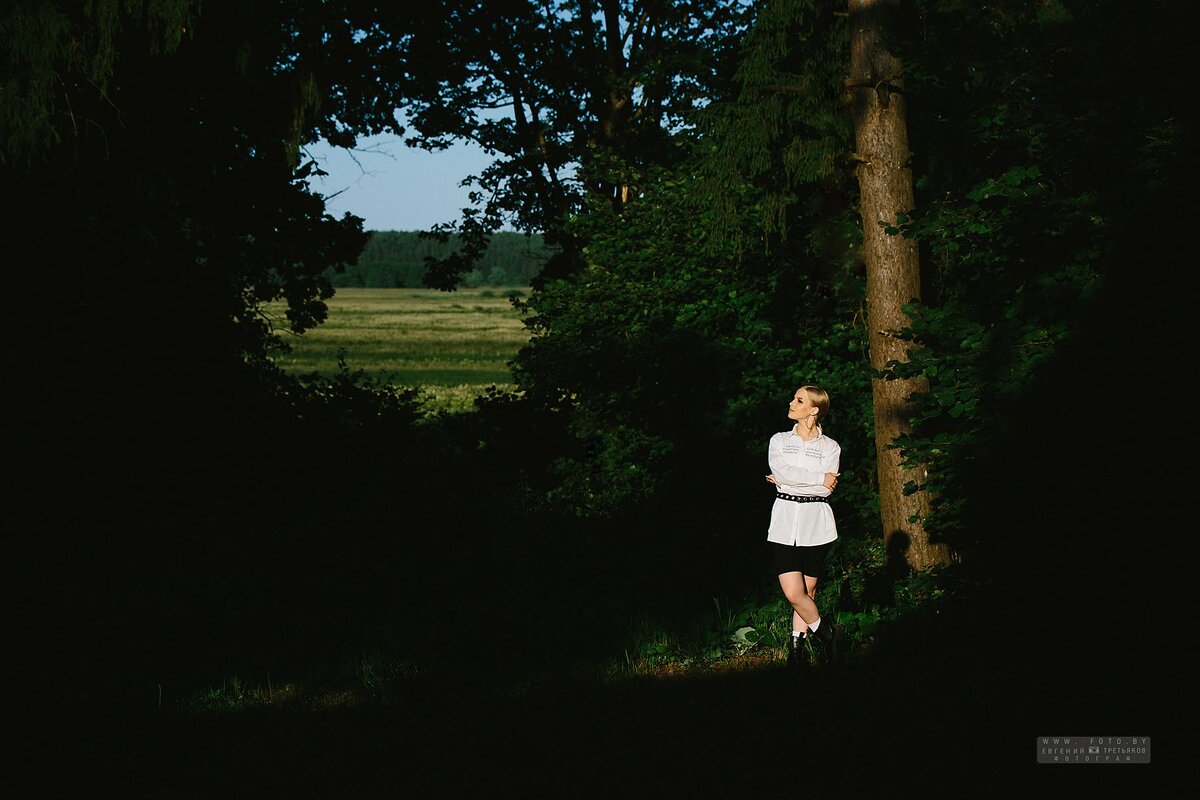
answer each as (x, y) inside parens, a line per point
(787, 475)
(780, 470)
(832, 464)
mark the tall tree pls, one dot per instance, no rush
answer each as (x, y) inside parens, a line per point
(886, 200)
(575, 99)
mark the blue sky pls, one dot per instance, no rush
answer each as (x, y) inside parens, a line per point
(393, 187)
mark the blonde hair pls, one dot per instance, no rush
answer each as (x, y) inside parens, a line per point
(820, 399)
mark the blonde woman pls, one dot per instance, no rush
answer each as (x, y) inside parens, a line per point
(804, 469)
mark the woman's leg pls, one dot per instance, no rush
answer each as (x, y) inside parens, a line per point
(810, 583)
(796, 590)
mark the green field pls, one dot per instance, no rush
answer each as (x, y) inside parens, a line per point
(452, 344)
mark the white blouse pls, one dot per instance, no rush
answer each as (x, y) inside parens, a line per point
(800, 468)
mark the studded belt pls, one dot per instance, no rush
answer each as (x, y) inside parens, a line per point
(802, 498)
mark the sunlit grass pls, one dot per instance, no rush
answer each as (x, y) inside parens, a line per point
(737, 635)
(451, 344)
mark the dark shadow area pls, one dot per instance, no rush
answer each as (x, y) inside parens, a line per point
(182, 554)
(923, 718)
(1079, 632)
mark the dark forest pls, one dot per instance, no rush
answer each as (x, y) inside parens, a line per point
(968, 222)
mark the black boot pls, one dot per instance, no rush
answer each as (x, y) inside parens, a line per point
(796, 652)
(832, 637)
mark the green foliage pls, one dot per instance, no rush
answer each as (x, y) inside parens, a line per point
(45, 45)
(1016, 231)
(762, 620)
(628, 343)
(373, 676)
(733, 271)
(753, 623)
(595, 95)
(697, 638)
(779, 129)
(179, 207)
(351, 401)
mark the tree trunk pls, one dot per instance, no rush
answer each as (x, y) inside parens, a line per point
(893, 269)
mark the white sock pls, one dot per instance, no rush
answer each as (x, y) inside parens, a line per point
(815, 625)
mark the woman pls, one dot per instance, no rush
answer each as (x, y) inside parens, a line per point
(804, 468)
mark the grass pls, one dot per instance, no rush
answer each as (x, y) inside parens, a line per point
(451, 344)
(735, 636)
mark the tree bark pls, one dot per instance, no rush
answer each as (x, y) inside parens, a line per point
(893, 268)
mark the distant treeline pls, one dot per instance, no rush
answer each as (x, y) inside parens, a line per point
(396, 259)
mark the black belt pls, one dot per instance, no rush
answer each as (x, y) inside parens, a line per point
(802, 498)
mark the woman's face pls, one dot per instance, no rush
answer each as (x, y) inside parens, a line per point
(801, 406)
